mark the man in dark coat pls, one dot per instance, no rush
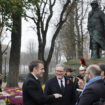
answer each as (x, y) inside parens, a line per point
(60, 84)
(102, 67)
(94, 89)
(32, 91)
(96, 28)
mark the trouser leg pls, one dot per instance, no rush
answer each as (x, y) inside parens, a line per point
(95, 50)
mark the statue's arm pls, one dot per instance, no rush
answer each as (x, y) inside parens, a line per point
(103, 18)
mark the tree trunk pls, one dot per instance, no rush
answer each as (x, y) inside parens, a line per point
(45, 77)
(0, 58)
(15, 52)
(79, 47)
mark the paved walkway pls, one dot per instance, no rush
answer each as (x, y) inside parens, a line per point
(4, 84)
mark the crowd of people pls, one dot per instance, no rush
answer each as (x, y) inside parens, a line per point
(63, 88)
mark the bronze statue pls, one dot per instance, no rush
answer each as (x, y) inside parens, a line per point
(96, 28)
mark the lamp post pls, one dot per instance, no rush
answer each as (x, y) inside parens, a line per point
(5, 58)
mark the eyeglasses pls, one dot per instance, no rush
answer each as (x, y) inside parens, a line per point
(59, 71)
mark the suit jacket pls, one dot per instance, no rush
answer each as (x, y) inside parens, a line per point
(32, 92)
(52, 86)
(92, 93)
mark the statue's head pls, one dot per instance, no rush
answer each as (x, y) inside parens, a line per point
(94, 2)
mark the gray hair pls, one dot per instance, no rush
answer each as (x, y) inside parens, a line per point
(60, 65)
(95, 70)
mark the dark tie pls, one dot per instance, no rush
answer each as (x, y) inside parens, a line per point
(62, 86)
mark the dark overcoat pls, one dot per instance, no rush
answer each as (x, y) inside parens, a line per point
(92, 93)
(32, 92)
(68, 98)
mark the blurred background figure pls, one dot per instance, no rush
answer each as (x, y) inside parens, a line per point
(102, 67)
(82, 69)
(69, 75)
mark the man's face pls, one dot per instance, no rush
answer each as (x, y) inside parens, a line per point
(102, 75)
(40, 70)
(82, 72)
(68, 73)
(86, 77)
(60, 72)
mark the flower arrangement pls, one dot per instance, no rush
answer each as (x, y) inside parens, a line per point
(12, 95)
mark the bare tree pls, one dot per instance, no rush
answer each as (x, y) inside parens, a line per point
(32, 50)
(74, 32)
(42, 16)
(1, 30)
(67, 36)
(81, 14)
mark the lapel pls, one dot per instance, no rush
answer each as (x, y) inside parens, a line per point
(67, 82)
(31, 76)
(37, 82)
(57, 84)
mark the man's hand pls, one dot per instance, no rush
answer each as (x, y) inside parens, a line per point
(81, 83)
(57, 95)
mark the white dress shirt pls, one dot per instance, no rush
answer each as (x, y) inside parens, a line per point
(63, 81)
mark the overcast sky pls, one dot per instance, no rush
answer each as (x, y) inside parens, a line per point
(28, 33)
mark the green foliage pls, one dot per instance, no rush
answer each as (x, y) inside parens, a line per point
(10, 7)
(34, 2)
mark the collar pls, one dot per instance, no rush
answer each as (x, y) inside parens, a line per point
(61, 79)
(91, 81)
(35, 76)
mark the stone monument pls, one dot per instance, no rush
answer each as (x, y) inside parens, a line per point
(96, 28)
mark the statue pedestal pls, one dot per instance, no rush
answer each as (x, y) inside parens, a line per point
(76, 63)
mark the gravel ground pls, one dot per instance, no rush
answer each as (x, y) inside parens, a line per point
(4, 84)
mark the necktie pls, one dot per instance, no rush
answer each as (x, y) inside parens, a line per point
(62, 86)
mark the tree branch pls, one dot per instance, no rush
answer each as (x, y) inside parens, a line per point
(6, 47)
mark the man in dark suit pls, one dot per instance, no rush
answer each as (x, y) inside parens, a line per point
(32, 91)
(94, 89)
(102, 67)
(59, 84)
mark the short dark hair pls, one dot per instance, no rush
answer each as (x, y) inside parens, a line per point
(34, 64)
(69, 70)
(102, 67)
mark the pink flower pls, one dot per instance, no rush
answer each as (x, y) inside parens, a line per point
(68, 82)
